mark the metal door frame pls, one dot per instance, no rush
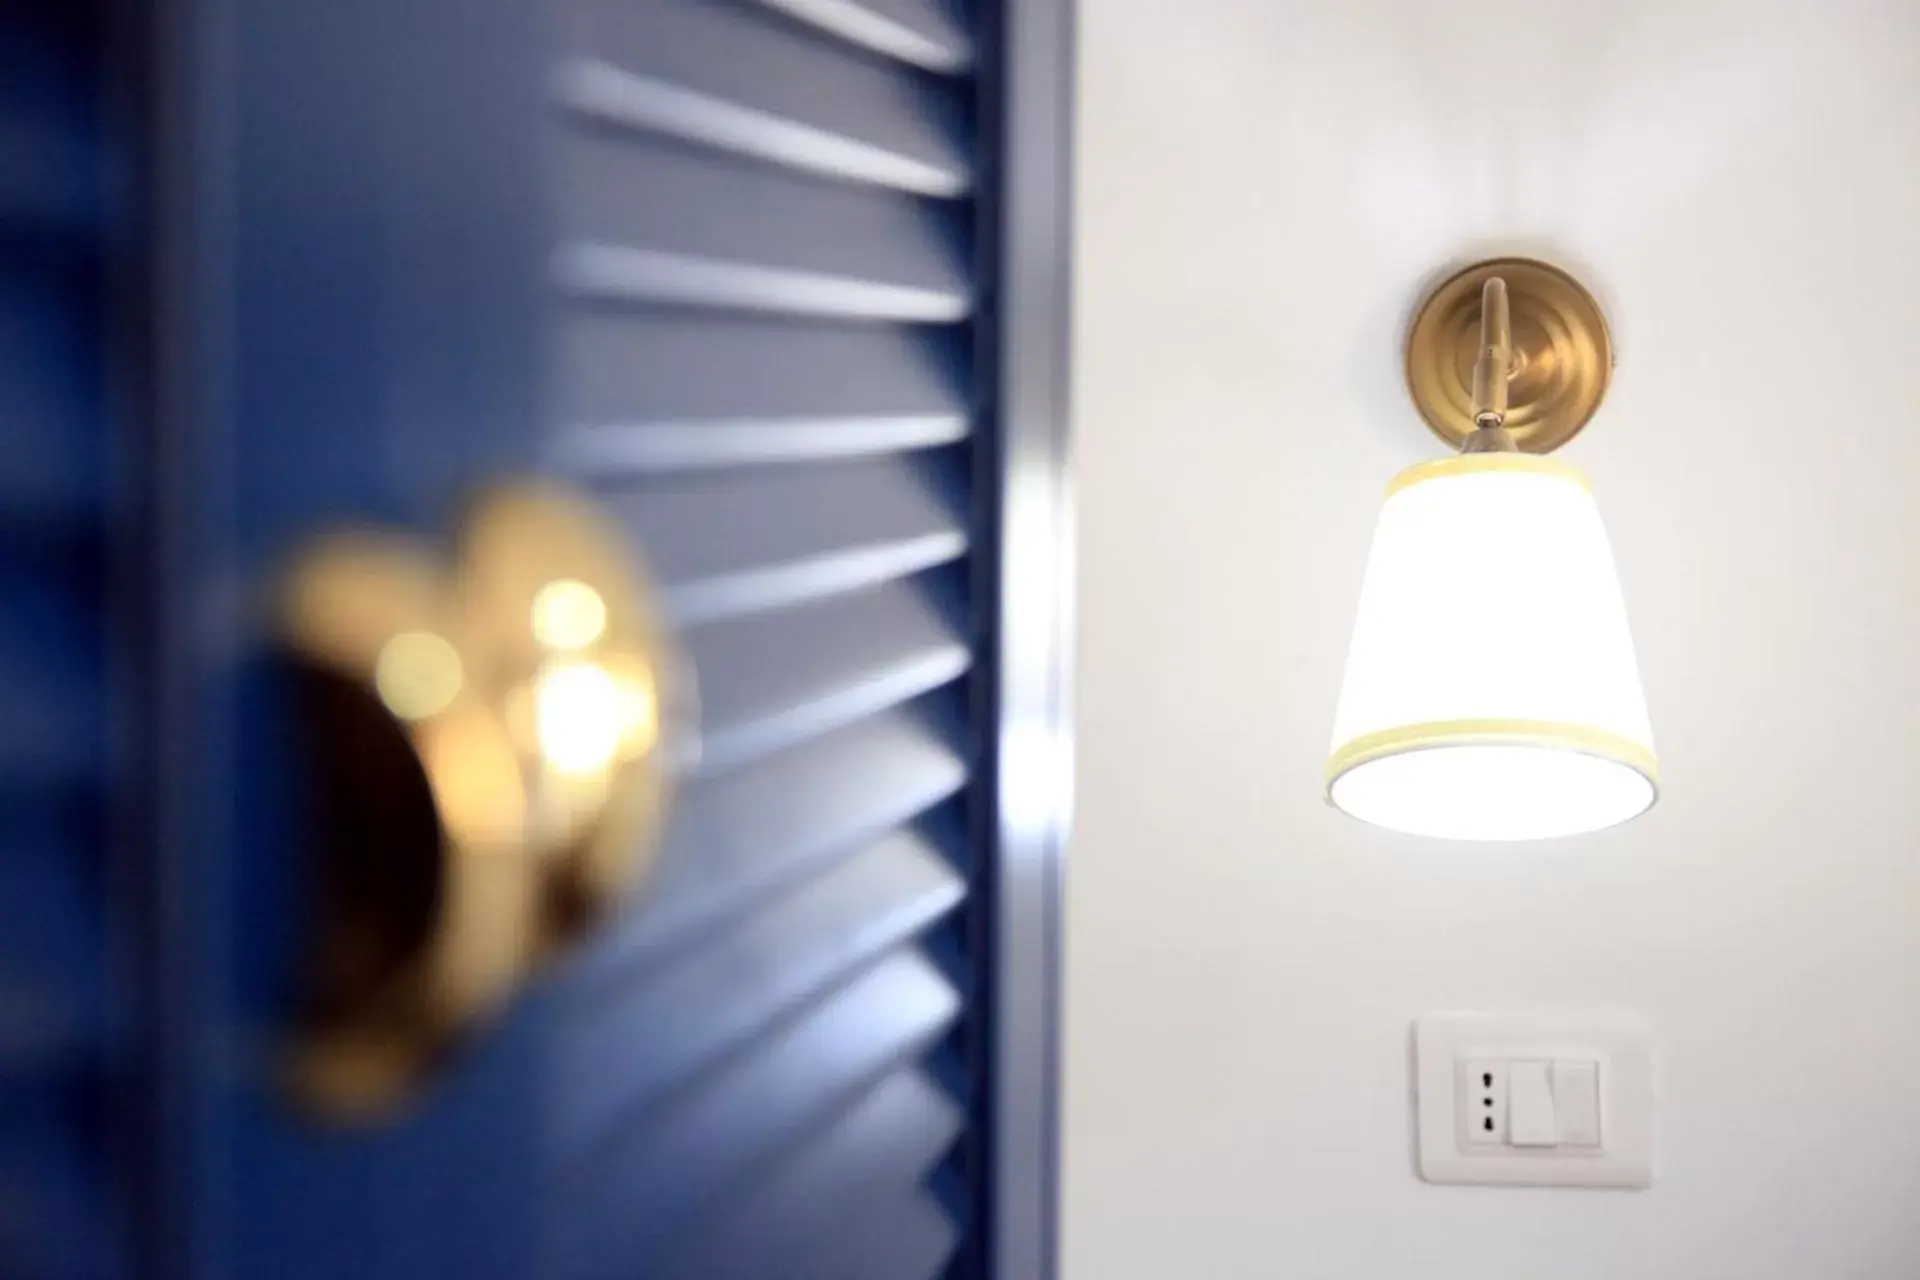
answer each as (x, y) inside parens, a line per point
(1028, 107)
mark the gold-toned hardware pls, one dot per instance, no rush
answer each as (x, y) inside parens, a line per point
(1560, 356)
(1490, 373)
(1488, 438)
(1495, 362)
(489, 776)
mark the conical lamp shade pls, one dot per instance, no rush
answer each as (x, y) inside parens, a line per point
(1491, 691)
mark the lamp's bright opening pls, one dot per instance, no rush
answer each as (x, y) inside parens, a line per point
(1493, 791)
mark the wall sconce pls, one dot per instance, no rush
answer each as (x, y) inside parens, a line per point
(1491, 691)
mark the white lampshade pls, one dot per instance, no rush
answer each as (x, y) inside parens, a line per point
(1491, 692)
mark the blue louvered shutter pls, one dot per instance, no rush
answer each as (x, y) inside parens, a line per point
(722, 264)
(65, 1204)
(765, 367)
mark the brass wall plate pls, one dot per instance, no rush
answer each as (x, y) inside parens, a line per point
(486, 732)
(1562, 354)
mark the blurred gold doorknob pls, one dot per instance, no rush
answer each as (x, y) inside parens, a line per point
(486, 731)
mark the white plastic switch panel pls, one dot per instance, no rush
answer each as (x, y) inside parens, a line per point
(1530, 1117)
(1576, 1103)
(1544, 1099)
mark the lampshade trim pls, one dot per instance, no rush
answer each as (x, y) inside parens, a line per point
(1467, 464)
(1554, 734)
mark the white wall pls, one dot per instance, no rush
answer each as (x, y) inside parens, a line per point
(1265, 188)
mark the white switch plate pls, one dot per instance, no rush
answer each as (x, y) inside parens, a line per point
(1454, 1051)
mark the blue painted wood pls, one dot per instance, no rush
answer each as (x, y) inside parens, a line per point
(924, 33)
(56, 997)
(653, 392)
(371, 300)
(773, 683)
(743, 84)
(767, 372)
(738, 983)
(735, 546)
(52, 663)
(58, 1216)
(66, 1208)
(618, 189)
(889, 1139)
(739, 837)
(716, 261)
(665, 1172)
(898, 1233)
(51, 477)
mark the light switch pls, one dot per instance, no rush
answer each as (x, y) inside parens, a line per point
(1576, 1102)
(1531, 1121)
(1570, 1096)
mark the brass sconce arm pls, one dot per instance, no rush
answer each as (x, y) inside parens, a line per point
(1491, 371)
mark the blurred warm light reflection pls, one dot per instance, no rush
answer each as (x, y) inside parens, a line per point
(475, 777)
(417, 675)
(525, 673)
(577, 716)
(639, 713)
(568, 615)
(585, 712)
